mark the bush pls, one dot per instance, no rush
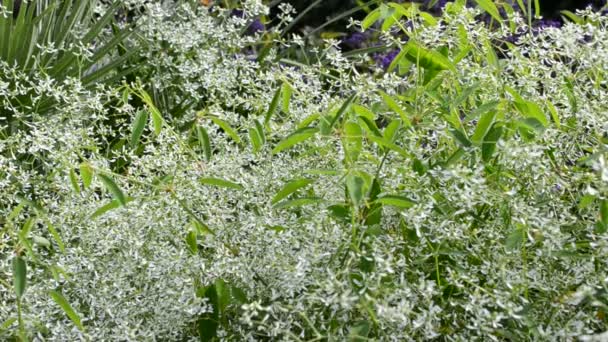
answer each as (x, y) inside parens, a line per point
(456, 196)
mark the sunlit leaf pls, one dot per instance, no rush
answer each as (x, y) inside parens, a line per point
(19, 276)
(295, 138)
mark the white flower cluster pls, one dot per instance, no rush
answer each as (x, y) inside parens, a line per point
(453, 245)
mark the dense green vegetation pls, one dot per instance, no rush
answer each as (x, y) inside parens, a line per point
(174, 171)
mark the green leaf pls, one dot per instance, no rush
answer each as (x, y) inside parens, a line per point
(67, 308)
(604, 211)
(113, 188)
(489, 143)
(390, 145)
(138, 127)
(461, 137)
(295, 138)
(298, 202)
(352, 140)
(530, 109)
(359, 332)
(286, 95)
(107, 207)
(364, 112)
(74, 181)
(425, 58)
(515, 239)
(227, 128)
(19, 276)
(273, 105)
(483, 126)
(390, 132)
(54, 233)
(371, 18)
(490, 7)
(394, 106)
(191, 242)
(157, 118)
(573, 17)
(290, 188)
(554, 115)
(396, 201)
(7, 324)
(203, 141)
(342, 109)
(86, 173)
(354, 185)
(219, 182)
(257, 136)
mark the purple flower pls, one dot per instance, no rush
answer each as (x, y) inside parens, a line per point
(256, 26)
(385, 59)
(355, 40)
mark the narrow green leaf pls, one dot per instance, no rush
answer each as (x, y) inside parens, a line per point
(107, 207)
(396, 201)
(577, 19)
(461, 137)
(390, 145)
(354, 185)
(554, 115)
(290, 188)
(295, 138)
(191, 242)
(227, 128)
(394, 106)
(483, 126)
(273, 105)
(391, 131)
(219, 182)
(19, 276)
(352, 140)
(371, 18)
(86, 173)
(286, 95)
(255, 139)
(157, 120)
(139, 123)
(67, 308)
(51, 228)
(113, 188)
(604, 211)
(7, 324)
(489, 143)
(74, 181)
(343, 109)
(203, 141)
(298, 202)
(490, 7)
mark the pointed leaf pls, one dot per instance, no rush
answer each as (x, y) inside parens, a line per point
(295, 138)
(86, 173)
(227, 128)
(19, 276)
(113, 188)
(286, 95)
(290, 188)
(396, 201)
(219, 182)
(139, 123)
(203, 141)
(67, 308)
(298, 202)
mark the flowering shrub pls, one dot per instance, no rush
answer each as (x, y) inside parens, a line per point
(457, 195)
